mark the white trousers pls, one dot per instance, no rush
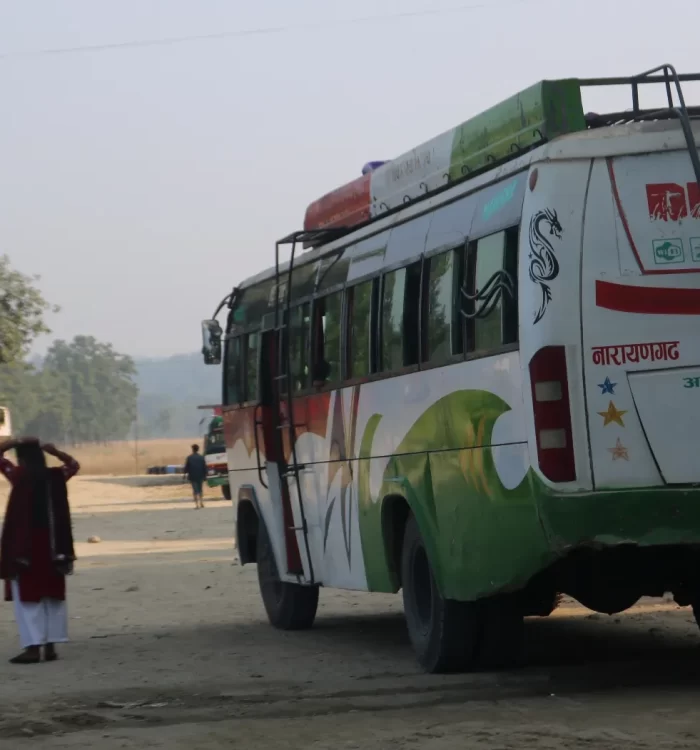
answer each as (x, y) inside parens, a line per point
(40, 623)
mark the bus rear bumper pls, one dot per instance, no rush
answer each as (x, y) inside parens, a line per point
(644, 517)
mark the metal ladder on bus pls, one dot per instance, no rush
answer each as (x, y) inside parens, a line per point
(293, 468)
(284, 393)
(672, 80)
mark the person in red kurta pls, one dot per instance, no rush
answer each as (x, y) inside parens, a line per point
(36, 549)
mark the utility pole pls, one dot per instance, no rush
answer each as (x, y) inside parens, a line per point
(136, 439)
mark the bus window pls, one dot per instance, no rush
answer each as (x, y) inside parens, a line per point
(490, 254)
(233, 371)
(328, 318)
(443, 332)
(251, 367)
(510, 302)
(400, 341)
(360, 330)
(298, 346)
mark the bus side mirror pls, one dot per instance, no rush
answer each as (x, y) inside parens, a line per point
(211, 342)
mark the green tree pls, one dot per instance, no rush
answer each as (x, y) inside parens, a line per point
(163, 422)
(38, 401)
(51, 416)
(100, 386)
(22, 309)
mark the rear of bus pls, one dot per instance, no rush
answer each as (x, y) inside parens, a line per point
(610, 327)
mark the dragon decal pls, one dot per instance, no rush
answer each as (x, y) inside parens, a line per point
(544, 266)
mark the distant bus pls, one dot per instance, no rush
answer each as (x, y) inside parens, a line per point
(475, 387)
(215, 452)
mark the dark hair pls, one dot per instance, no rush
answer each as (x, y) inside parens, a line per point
(31, 456)
(195, 448)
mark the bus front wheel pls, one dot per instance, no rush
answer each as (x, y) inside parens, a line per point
(289, 606)
(226, 491)
(444, 633)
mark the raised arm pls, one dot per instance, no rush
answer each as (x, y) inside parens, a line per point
(70, 466)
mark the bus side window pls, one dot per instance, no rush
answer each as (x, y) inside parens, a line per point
(299, 331)
(442, 329)
(400, 318)
(234, 361)
(361, 301)
(489, 260)
(251, 362)
(327, 331)
(510, 302)
(497, 321)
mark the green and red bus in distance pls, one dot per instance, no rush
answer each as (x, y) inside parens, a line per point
(215, 451)
(474, 385)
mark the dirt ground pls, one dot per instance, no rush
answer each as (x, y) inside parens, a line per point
(171, 649)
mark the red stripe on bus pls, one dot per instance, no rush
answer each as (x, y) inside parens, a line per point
(649, 300)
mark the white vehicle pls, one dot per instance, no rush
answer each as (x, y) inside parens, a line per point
(5, 422)
(476, 387)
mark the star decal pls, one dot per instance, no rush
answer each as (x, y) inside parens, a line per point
(619, 451)
(607, 387)
(612, 415)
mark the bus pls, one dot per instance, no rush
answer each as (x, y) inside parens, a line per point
(467, 379)
(215, 452)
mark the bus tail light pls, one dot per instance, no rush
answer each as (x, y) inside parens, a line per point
(550, 400)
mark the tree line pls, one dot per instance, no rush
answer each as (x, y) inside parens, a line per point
(81, 391)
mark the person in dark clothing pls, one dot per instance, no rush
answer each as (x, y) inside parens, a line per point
(36, 548)
(196, 474)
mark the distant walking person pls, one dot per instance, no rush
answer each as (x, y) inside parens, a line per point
(36, 549)
(196, 474)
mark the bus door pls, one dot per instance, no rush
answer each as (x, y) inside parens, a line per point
(270, 446)
(641, 319)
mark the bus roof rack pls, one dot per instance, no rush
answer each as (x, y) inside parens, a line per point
(667, 75)
(527, 120)
(315, 237)
(595, 120)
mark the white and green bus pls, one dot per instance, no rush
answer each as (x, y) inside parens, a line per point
(474, 383)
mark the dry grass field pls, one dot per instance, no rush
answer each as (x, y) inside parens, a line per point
(123, 458)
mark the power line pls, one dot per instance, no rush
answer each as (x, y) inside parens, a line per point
(263, 31)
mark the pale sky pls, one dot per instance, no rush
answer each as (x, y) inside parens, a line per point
(142, 183)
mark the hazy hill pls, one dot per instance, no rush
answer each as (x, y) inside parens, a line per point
(170, 389)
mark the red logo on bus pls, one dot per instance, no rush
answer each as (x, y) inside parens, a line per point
(669, 201)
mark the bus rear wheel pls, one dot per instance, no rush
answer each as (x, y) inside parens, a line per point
(289, 606)
(444, 633)
(226, 491)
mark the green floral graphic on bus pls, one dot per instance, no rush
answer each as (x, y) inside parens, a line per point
(480, 535)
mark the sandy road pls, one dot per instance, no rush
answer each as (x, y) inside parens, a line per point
(171, 650)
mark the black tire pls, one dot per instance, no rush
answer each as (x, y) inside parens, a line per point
(502, 633)
(289, 606)
(444, 633)
(226, 491)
